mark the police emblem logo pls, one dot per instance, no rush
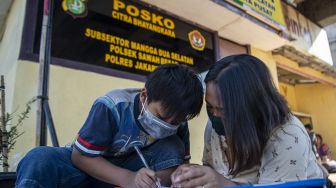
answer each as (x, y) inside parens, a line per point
(196, 40)
(76, 8)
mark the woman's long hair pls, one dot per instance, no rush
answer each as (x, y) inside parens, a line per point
(252, 107)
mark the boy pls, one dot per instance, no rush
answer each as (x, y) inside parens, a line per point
(154, 119)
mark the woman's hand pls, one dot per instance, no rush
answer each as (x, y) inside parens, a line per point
(190, 176)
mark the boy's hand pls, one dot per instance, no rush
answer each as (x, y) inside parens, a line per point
(144, 178)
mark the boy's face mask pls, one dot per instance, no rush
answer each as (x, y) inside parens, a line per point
(154, 126)
(216, 123)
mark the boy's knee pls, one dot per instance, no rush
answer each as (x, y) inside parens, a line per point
(173, 146)
(39, 157)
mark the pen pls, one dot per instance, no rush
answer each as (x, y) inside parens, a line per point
(145, 163)
(141, 156)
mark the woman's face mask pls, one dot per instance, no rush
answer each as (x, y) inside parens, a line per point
(216, 123)
(154, 126)
(212, 100)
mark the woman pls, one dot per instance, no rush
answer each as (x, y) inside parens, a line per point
(322, 149)
(252, 137)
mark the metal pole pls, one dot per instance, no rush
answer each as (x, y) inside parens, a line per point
(46, 109)
(50, 124)
(45, 53)
(40, 127)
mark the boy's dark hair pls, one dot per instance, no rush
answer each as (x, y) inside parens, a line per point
(320, 137)
(309, 126)
(252, 107)
(179, 90)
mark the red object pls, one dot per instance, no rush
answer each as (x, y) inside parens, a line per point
(87, 144)
(46, 7)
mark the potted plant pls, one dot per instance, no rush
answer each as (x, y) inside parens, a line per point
(9, 133)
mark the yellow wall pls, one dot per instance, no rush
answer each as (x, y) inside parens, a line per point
(319, 100)
(268, 59)
(288, 91)
(197, 127)
(10, 46)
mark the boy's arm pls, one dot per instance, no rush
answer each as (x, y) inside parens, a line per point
(94, 138)
(103, 170)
